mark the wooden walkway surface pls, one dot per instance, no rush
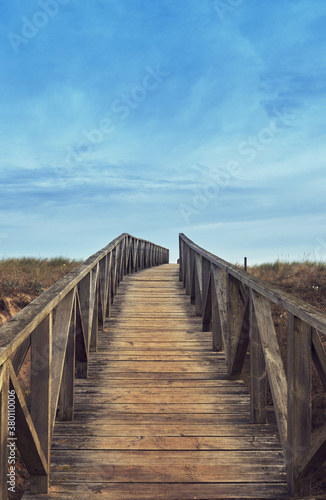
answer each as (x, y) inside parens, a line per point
(157, 418)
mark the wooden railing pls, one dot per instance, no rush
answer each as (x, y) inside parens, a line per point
(236, 306)
(61, 329)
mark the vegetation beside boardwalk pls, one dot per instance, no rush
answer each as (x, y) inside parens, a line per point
(22, 280)
(32, 275)
(305, 280)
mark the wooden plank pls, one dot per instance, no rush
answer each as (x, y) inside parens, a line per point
(20, 355)
(299, 407)
(163, 408)
(176, 491)
(28, 441)
(319, 356)
(186, 472)
(183, 443)
(131, 383)
(241, 343)
(161, 366)
(84, 295)
(122, 375)
(314, 456)
(94, 314)
(257, 370)
(109, 277)
(60, 338)
(217, 391)
(198, 284)
(260, 459)
(219, 313)
(66, 396)
(147, 356)
(208, 306)
(100, 417)
(180, 397)
(41, 382)
(81, 362)
(222, 430)
(274, 363)
(234, 317)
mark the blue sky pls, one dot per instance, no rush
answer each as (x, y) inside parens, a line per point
(205, 117)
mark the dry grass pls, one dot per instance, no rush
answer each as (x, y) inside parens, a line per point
(305, 280)
(31, 275)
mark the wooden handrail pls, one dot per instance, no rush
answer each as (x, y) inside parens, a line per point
(61, 329)
(236, 306)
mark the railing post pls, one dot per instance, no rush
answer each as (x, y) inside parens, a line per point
(66, 397)
(94, 317)
(234, 315)
(257, 370)
(299, 405)
(180, 259)
(198, 284)
(41, 381)
(113, 274)
(84, 291)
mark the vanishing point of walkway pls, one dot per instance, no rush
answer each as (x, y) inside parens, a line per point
(157, 418)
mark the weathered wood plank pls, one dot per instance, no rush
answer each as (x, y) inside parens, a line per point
(181, 398)
(41, 383)
(28, 441)
(169, 429)
(238, 408)
(83, 458)
(299, 407)
(154, 491)
(219, 309)
(274, 363)
(257, 370)
(241, 343)
(20, 355)
(183, 472)
(66, 395)
(60, 338)
(143, 442)
(81, 362)
(314, 456)
(319, 356)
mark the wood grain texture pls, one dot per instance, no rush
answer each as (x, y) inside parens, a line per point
(157, 417)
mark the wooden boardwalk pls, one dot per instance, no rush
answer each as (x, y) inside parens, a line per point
(157, 418)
